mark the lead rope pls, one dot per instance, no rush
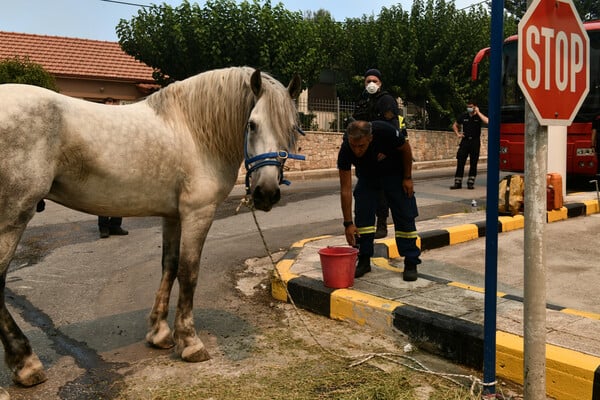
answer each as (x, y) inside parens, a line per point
(363, 358)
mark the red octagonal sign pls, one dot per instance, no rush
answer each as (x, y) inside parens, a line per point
(554, 53)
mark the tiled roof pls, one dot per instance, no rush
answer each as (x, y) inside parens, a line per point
(72, 57)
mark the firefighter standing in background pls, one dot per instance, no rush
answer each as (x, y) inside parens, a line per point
(375, 104)
(402, 127)
(383, 163)
(470, 144)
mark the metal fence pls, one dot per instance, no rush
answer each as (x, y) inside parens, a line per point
(324, 115)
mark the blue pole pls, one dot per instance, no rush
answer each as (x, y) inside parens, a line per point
(491, 223)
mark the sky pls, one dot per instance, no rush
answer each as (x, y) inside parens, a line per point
(97, 19)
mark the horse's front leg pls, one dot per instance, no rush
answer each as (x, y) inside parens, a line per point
(194, 229)
(23, 362)
(159, 334)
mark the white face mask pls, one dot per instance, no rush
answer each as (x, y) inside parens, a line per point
(372, 88)
(470, 109)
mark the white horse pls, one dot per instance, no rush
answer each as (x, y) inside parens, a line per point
(175, 155)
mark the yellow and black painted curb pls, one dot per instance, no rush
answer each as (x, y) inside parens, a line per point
(570, 375)
(458, 234)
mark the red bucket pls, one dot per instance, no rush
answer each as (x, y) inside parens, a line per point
(338, 265)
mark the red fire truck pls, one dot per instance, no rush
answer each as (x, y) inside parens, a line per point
(581, 159)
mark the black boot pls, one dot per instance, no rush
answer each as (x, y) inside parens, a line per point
(363, 266)
(104, 232)
(410, 273)
(118, 231)
(471, 182)
(381, 231)
(457, 184)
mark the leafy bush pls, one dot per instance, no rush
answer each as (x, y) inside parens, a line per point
(16, 70)
(307, 121)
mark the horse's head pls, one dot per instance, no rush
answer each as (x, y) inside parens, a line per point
(270, 137)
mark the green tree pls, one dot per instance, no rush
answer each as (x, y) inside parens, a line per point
(326, 45)
(396, 52)
(445, 40)
(17, 70)
(516, 8)
(185, 40)
(425, 55)
(588, 10)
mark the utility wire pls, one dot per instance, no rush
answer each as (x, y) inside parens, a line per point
(126, 3)
(475, 4)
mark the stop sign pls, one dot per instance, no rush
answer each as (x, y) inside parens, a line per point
(554, 53)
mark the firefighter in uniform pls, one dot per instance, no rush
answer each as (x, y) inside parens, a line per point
(376, 104)
(470, 144)
(383, 162)
(402, 127)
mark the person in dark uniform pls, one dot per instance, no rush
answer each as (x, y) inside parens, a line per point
(110, 225)
(470, 144)
(383, 163)
(375, 104)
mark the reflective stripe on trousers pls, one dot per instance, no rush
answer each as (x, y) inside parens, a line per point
(404, 211)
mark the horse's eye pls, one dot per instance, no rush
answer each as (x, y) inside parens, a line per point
(251, 126)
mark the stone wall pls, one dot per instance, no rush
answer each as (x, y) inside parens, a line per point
(321, 148)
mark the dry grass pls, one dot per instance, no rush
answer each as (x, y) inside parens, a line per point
(317, 379)
(321, 378)
(282, 362)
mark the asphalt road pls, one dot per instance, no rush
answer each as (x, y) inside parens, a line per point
(83, 301)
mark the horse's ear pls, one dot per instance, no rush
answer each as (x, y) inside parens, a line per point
(295, 86)
(256, 82)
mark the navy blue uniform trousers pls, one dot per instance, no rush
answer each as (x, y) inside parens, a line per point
(404, 211)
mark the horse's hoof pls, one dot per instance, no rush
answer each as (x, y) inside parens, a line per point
(161, 338)
(4, 394)
(32, 372)
(195, 353)
(160, 342)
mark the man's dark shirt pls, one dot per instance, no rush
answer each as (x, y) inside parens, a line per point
(471, 126)
(386, 140)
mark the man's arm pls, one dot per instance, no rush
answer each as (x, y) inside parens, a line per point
(346, 202)
(406, 154)
(389, 109)
(483, 117)
(456, 129)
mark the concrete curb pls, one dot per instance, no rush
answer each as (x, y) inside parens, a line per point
(570, 374)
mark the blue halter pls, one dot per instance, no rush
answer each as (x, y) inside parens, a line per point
(276, 158)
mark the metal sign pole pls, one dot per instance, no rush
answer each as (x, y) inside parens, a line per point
(534, 311)
(491, 235)
(550, 67)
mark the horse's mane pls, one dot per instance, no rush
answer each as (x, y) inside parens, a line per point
(214, 107)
